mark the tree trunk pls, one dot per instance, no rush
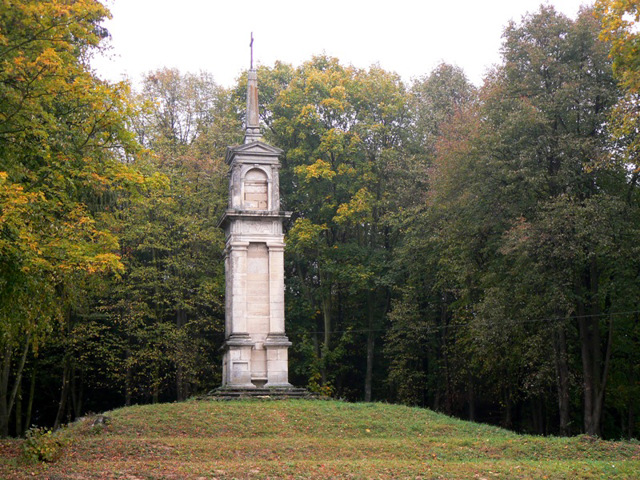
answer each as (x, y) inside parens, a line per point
(602, 383)
(128, 379)
(155, 385)
(631, 408)
(4, 392)
(443, 351)
(471, 399)
(368, 378)
(32, 392)
(508, 411)
(537, 417)
(7, 400)
(155, 388)
(179, 382)
(594, 373)
(562, 378)
(19, 409)
(326, 316)
(180, 374)
(64, 394)
(77, 391)
(588, 375)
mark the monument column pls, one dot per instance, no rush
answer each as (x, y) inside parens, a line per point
(256, 346)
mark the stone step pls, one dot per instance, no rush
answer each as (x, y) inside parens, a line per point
(222, 393)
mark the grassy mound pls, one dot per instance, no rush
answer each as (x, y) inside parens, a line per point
(312, 439)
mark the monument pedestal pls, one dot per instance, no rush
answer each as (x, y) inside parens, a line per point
(236, 369)
(229, 393)
(277, 347)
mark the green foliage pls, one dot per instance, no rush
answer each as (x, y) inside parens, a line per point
(166, 312)
(63, 137)
(486, 240)
(521, 260)
(619, 28)
(42, 445)
(435, 99)
(343, 130)
(316, 385)
(521, 166)
(420, 337)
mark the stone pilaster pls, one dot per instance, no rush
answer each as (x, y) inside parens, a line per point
(276, 288)
(238, 279)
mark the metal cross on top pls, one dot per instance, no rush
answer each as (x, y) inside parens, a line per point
(251, 45)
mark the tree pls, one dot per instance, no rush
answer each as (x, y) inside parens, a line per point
(420, 337)
(522, 161)
(343, 131)
(62, 135)
(619, 22)
(167, 311)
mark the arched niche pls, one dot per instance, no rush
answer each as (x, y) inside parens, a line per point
(256, 190)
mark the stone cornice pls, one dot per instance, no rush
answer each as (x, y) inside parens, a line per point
(232, 214)
(253, 152)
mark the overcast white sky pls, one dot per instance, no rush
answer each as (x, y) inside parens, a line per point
(409, 37)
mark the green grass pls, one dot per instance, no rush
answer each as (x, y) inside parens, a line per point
(313, 439)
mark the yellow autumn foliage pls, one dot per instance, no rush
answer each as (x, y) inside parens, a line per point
(304, 235)
(318, 170)
(357, 210)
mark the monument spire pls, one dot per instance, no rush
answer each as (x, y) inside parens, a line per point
(252, 126)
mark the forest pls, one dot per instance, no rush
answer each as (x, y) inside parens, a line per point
(470, 249)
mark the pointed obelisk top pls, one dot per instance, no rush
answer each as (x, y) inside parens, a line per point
(252, 128)
(251, 47)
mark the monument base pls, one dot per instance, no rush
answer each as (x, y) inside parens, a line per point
(273, 393)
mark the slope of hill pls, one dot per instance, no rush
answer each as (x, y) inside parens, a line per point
(312, 439)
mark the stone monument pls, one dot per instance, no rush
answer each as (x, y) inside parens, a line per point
(256, 346)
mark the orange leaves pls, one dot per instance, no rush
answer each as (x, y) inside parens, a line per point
(335, 142)
(15, 203)
(620, 20)
(105, 263)
(308, 115)
(42, 243)
(76, 244)
(49, 59)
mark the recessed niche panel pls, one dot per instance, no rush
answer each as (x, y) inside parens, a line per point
(256, 190)
(258, 288)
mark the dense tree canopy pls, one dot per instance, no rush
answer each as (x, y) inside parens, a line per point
(344, 132)
(531, 233)
(468, 249)
(62, 138)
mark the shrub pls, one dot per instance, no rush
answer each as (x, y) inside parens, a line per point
(42, 445)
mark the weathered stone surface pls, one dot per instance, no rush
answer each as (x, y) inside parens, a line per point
(255, 348)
